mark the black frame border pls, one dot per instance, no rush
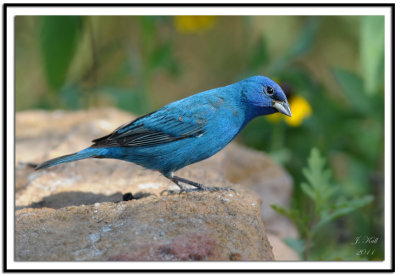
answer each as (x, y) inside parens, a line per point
(392, 23)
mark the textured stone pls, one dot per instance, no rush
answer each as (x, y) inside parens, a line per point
(43, 135)
(194, 226)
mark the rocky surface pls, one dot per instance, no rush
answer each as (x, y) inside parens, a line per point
(194, 226)
(74, 211)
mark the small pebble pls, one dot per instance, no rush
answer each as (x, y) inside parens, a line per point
(127, 197)
(139, 195)
(95, 237)
(106, 229)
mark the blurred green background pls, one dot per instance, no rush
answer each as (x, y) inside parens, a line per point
(332, 69)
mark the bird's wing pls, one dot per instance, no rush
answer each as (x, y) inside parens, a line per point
(163, 126)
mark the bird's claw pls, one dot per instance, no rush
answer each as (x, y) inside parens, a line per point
(213, 189)
(166, 191)
(178, 192)
(203, 189)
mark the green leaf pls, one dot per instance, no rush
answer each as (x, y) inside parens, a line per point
(260, 54)
(58, 41)
(308, 190)
(343, 208)
(289, 213)
(306, 38)
(135, 101)
(295, 216)
(281, 155)
(315, 173)
(301, 46)
(372, 44)
(297, 244)
(318, 187)
(162, 57)
(353, 88)
(71, 96)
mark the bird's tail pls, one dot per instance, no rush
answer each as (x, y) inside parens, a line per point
(83, 154)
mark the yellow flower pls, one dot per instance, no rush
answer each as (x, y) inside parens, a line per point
(301, 110)
(193, 24)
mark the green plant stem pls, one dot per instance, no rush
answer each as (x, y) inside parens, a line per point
(277, 137)
(94, 68)
(307, 248)
(310, 233)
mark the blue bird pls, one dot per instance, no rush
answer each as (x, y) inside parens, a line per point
(188, 130)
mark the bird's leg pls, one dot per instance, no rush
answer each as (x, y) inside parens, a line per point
(182, 188)
(199, 187)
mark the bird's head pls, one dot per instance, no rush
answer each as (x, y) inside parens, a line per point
(263, 96)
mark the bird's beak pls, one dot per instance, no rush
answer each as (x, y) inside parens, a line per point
(283, 107)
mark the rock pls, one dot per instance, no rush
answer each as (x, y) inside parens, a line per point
(194, 226)
(282, 251)
(43, 135)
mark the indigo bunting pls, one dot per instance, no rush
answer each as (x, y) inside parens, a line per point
(188, 130)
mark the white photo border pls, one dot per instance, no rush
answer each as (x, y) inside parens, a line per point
(12, 10)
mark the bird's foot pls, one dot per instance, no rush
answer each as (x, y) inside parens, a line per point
(203, 189)
(198, 187)
(178, 192)
(214, 189)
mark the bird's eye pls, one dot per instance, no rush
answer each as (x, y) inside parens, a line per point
(269, 90)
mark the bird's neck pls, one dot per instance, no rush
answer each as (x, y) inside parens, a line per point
(255, 111)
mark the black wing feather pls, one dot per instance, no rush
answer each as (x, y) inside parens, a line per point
(141, 133)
